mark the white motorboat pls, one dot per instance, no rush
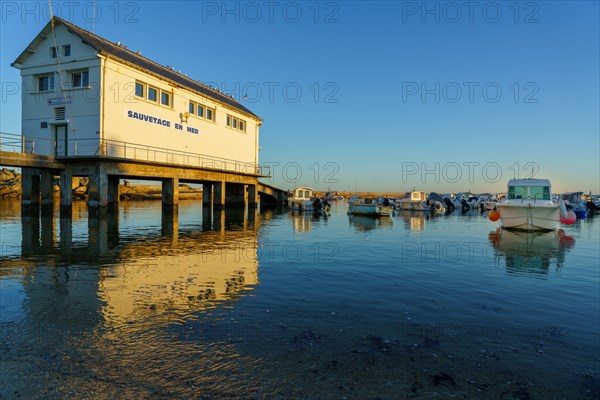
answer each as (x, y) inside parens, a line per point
(414, 201)
(369, 207)
(528, 206)
(302, 199)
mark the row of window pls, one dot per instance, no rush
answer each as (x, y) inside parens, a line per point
(152, 93)
(236, 123)
(78, 79)
(66, 51)
(148, 92)
(200, 110)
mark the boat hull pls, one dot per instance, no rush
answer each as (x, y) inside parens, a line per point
(528, 217)
(413, 206)
(375, 210)
(302, 205)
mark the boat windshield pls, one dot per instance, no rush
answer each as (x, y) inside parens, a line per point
(533, 192)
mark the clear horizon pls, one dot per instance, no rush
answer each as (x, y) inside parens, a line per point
(374, 96)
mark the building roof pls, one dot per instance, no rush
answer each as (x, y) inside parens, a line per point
(105, 47)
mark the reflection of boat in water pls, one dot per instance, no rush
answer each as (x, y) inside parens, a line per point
(370, 207)
(414, 220)
(364, 223)
(531, 252)
(301, 221)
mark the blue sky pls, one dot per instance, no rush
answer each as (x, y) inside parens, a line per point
(388, 89)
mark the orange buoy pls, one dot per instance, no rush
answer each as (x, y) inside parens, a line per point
(494, 215)
(571, 218)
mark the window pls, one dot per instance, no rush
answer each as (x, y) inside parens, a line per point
(202, 111)
(46, 83)
(236, 123)
(165, 98)
(539, 192)
(140, 89)
(210, 114)
(67, 50)
(80, 79)
(152, 94)
(53, 52)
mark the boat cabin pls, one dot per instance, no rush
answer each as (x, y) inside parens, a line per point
(534, 189)
(572, 197)
(415, 196)
(302, 193)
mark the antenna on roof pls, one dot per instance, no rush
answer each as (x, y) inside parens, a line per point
(94, 20)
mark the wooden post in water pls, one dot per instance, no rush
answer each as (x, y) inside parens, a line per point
(66, 187)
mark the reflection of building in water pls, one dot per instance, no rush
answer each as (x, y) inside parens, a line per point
(170, 285)
(365, 224)
(529, 252)
(156, 273)
(115, 303)
(415, 220)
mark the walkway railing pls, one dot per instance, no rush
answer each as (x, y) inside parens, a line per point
(78, 148)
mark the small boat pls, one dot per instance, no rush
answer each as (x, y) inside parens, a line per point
(414, 201)
(353, 198)
(436, 203)
(491, 203)
(370, 207)
(573, 201)
(302, 199)
(528, 206)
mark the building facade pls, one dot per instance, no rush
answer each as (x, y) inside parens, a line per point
(86, 96)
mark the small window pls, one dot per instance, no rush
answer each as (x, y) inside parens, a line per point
(192, 108)
(165, 98)
(53, 52)
(152, 94)
(80, 79)
(209, 114)
(67, 50)
(139, 89)
(46, 83)
(236, 123)
(200, 111)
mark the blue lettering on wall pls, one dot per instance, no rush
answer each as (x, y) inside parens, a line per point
(158, 121)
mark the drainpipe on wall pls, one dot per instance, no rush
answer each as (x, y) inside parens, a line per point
(103, 96)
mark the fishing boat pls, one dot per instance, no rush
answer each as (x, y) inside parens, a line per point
(528, 206)
(370, 207)
(414, 201)
(574, 201)
(302, 199)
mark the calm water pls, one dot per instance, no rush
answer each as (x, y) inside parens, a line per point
(136, 304)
